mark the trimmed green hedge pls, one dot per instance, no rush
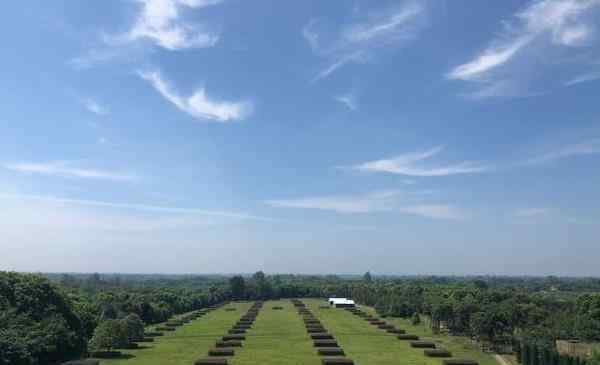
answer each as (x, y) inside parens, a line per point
(422, 344)
(459, 362)
(437, 353)
(330, 351)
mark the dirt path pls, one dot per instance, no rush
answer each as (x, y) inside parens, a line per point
(501, 360)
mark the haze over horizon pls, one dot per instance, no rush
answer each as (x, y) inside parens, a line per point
(227, 136)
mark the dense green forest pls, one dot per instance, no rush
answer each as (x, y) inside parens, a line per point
(48, 319)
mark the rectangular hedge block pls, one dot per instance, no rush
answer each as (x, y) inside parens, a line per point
(422, 344)
(459, 362)
(165, 329)
(408, 337)
(337, 361)
(82, 362)
(232, 343)
(397, 331)
(315, 330)
(234, 337)
(325, 343)
(330, 351)
(437, 353)
(221, 351)
(234, 331)
(211, 361)
(321, 336)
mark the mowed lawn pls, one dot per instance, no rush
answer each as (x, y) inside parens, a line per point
(188, 343)
(368, 345)
(277, 337)
(460, 346)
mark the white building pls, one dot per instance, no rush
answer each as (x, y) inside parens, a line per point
(341, 302)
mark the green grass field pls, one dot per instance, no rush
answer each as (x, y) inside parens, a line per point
(279, 337)
(188, 343)
(461, 347)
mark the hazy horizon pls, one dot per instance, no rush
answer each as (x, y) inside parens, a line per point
(223, 136)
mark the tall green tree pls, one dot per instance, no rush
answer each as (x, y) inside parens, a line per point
(237, 285)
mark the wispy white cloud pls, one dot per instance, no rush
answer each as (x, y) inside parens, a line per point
(380, 201)
(587, 77)
(95, 107)
(488, 60)
(93, 57)
(64, 169)
(410, 164)
(199, 105)
(529, 216)
(160, 21)
(590, 147)
(533, 36)
(531, 212)
(372, 202)
(348, 100)
(435, 211)
(149, 208)
(357, 42)
(355, 57)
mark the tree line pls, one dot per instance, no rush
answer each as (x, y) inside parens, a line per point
(50, 319)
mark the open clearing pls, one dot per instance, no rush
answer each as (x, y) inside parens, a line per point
(279, 337)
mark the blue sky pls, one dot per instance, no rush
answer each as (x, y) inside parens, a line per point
(407, 137)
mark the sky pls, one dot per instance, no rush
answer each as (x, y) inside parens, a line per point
(225, 136)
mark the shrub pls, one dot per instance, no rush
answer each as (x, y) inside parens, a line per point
(325, 343)
(408, 337)
(336, 361)
(108, 335)
(236, 331)
(459, 362)
(106, 354)
(211, 361)
(218, 351)
(145, 339)
(415, 319)
(437, 353)
(321, 336)
(82, 362)
(153, 334)
(396, 331)
(330, 351)
(231, 343)
(134, 326)
(422, 344)
(234, 337)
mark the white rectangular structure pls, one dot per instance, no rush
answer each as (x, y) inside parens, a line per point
(341, 302)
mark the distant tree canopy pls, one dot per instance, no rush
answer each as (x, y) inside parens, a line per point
(37, 321)
(46, 321)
